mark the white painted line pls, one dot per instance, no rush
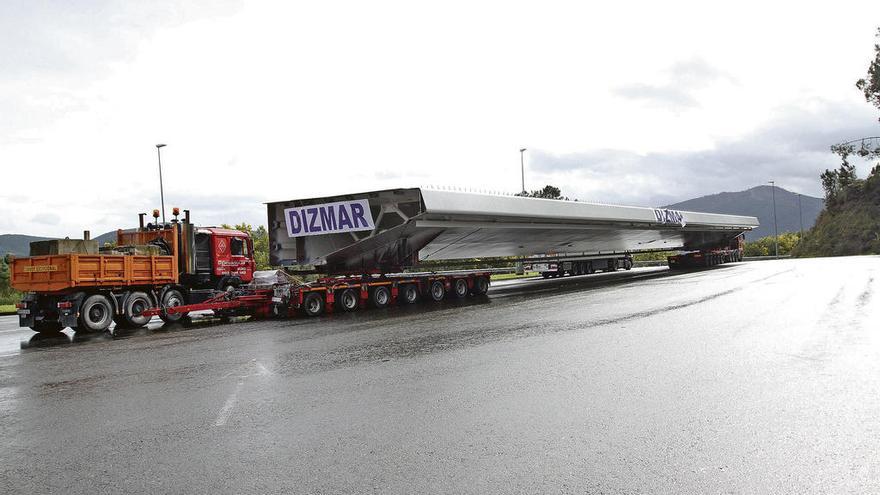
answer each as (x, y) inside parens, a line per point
(226, 410)
(263, 370)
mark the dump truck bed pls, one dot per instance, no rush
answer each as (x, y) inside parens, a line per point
(57, 273)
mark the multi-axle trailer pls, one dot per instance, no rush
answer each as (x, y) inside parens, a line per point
(330, 294)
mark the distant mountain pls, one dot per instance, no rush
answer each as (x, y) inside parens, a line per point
(20, 244)
(758, 202)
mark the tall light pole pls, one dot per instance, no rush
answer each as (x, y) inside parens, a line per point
(522, 168)
(161, 188)
(775, 225)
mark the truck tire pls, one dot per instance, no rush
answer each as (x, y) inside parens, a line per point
(460, 288)
(47, 327)
(96, 314)
(410, 294)
(313, 304)
(590, 268)
(134, 305)
(481, 286)
(627, 264)
(438, 290)
(349, 300)
(380, 296)
(172, 298)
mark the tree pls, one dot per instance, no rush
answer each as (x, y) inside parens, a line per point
(260, 237)
(871, 86)
(5, 289)
(548, 192)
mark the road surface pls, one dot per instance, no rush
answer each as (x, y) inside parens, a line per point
(751, 377)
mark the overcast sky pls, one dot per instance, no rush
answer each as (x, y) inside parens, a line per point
(622, 102)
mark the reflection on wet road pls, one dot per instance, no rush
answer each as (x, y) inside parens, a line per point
(749, 377)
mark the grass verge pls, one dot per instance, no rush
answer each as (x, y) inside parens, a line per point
(511, 276)
(7, 308)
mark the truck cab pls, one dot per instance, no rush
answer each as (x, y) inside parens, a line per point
(223, 258)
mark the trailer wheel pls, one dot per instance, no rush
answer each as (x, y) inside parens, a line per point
(47, 327)
(460, 287)
(137, 303)
(481, 286)
(410, 294)
(380, 296)
(589, 267)
(438, 290)
(349, 300)
(545, 274)
(96, 314)
(170, 299)
(313, 304)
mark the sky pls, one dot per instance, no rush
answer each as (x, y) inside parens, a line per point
(642, 103)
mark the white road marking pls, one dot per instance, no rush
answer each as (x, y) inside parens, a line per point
(226, 410)
(263, 370)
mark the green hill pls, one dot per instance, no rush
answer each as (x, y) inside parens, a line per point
(850, 224)
(20, 244)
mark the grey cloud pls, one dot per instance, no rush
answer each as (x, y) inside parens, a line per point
(665, 95)
(51, 49)
(46, 218)
(792, 149)
(684, 77)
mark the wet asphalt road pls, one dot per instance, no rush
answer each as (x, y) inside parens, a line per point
(752, 377)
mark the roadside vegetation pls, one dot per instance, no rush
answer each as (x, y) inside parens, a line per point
(850, 222)
(8, 296)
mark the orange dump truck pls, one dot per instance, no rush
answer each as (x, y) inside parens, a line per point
(154, 265)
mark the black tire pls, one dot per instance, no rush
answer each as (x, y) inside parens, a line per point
(438, 290)
(313, 304)
(135, 304)
(627, 264)
(481, 286)
(172, 298)
(545, 274)
(227, 283)
(380, 296)
(409, 294)
(349, 300)
(47, 327)
(460, 288)
(95, 314)
(589, 268)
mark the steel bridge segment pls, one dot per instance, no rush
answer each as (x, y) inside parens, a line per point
(418, 224)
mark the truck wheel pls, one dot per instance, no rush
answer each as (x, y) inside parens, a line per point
(481, 286)
(47, 327)
(380, 296)
(170, 299)
(349, 300)
(460, 287)
(137, 303)
(627, 264)
(590, 268)
(96, 314)
(438, 290)
(313, 304)
(410, 294)
(545, 274)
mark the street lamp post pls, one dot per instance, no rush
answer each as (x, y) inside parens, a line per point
(161, 188)
(522, 168)
(775, 225)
